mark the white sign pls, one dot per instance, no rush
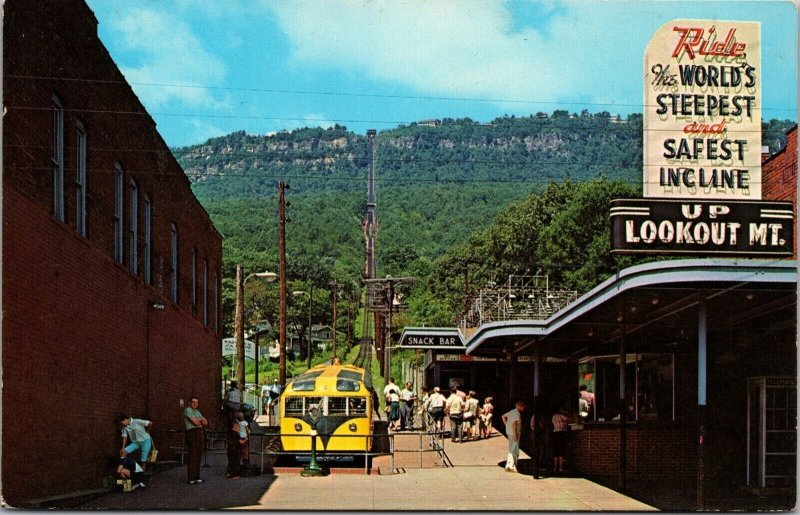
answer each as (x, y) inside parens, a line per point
(702, 111)
(229, 348)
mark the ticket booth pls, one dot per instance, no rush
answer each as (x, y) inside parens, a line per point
(771, 431)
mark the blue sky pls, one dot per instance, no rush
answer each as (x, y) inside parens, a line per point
(205, 68)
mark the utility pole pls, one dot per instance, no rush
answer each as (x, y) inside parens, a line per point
(282, 277)
(310, 303)
(240, 327)
(255, 380)
(333, 294)
(384, 290)
(388, 340)
(370, 233)
(349, 321)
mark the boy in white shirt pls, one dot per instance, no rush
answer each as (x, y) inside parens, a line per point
(513, 422)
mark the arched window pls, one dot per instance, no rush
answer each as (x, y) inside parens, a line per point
(118, 213)
(80, 181)
(148, 240)
(216, 302)
(133, 228)
(58, 158)
(173, 263)
(205, 293)
(194, 277)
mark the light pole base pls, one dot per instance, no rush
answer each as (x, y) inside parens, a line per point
(313, 471)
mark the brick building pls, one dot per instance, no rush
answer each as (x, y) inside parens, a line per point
(779, 175)
(111, 267)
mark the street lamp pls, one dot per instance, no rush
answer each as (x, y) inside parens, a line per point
(269, 277)
(313, 417)
(310, 300)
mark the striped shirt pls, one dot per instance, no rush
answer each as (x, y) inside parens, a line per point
(560, 422)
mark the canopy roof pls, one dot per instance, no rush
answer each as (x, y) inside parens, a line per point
(655, 301)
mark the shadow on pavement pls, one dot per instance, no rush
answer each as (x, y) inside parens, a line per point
(169, 490)
(524, 466)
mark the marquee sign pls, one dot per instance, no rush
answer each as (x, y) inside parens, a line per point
(702, 111)
(647, 226)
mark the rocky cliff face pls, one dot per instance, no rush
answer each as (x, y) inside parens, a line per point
(533, 149)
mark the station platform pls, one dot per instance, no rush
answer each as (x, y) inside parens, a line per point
(477, 475)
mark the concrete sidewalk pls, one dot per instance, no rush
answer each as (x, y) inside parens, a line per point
(478, 475)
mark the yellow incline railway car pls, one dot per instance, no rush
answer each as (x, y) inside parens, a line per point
(345, 408)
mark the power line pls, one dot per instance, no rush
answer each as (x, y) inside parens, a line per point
(271, 118)
(339, 93)
(283, 160)
(201, 115)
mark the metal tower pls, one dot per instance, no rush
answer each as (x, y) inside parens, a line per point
(371, 222)
(372, 326)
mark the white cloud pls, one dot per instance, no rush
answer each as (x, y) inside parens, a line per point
(471, 48)
(162, 49)
(308, 120)
(202, 131)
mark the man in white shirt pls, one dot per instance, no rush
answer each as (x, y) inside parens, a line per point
(513, 422)
(407, 398)
(265, 398)
(274, 395)
(454, 408)
(436, 408)
(389, 387)
(233, 401)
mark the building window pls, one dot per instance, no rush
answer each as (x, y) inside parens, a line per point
(216, 303)
(173, 263)
(148, 240)
(80, 182)
(205, 293)
(133, 227)
(194, 277)
(118, 216)
(649, 386)
(58, 159)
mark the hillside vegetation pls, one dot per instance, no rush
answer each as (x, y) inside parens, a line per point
(444, 194)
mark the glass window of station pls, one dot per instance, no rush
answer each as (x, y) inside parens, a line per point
(649, 387)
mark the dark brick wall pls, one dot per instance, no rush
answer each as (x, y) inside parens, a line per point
(654, 452)
(81, 341)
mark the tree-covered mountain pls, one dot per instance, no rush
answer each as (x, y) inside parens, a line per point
(531, 150)
(439, 188)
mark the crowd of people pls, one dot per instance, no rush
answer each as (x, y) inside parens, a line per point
(469, 418)
(137, 449)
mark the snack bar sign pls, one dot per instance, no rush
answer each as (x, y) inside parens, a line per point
(722, 228)
(702, 111)
(431, 341)
(422, 339)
